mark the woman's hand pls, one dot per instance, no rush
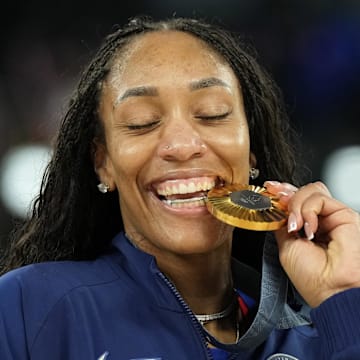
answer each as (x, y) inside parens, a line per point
(324, 260)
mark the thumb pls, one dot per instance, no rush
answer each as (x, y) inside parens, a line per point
(303, 262)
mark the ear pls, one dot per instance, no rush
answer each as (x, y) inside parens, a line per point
(252, 160)
(102, 163)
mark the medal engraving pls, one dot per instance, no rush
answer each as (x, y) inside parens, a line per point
(250, 200)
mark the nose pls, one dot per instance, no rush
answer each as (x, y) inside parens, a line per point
(181, 142)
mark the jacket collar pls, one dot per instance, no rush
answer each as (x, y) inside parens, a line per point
(273, 310)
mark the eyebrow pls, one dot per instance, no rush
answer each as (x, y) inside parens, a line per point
(152, 90)
(207, 82)
(137, 91)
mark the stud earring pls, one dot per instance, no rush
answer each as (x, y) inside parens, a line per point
(103, 188)
(254, 173)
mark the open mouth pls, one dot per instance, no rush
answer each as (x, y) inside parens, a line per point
(186, 193)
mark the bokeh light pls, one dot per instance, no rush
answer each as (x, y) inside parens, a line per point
(21, 174)
(341, 173)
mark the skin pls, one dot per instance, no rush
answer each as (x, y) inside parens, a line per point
(327, 261)
(164, 135)
(189, 123)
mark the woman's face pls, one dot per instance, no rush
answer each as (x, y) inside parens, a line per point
(175, 126)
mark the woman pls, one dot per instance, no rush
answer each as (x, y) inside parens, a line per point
(165, 112)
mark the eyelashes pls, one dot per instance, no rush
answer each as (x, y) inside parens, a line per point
(144, 126)
(214, 117)
(141, 128)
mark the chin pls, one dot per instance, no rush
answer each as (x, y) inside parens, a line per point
(198, 239)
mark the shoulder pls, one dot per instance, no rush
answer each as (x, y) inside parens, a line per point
(59, 276)
(31, 293)
(38, 287)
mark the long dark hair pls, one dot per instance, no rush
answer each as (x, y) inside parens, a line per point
(70, 218)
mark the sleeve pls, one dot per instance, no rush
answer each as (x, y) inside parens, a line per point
(338, 323)
(12, 327)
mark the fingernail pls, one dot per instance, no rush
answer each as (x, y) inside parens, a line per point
(308, 232)
(283, 193)
(292, 225)
(272, 182)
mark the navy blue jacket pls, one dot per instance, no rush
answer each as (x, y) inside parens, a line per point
(121, 306)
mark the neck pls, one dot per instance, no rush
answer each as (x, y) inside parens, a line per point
(206, 286)
(204, 281)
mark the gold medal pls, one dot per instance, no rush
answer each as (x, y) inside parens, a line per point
(249, 207)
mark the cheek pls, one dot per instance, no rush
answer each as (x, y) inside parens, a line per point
(239, 141)
(234, 149)
(234, 144)
(127, 160)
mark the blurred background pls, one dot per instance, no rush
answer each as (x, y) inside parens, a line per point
(311, 48)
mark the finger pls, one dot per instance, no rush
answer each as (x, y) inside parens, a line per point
(274, 187)
(307, 203)
(324, 216)
(343, 216)
(306, 191)
(283, 191)
(321, 210)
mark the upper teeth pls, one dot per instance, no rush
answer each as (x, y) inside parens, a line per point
(171, 188)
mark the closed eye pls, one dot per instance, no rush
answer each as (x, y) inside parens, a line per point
(213, 117)
(143, 126)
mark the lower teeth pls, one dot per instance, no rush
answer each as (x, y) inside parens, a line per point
(192, 202)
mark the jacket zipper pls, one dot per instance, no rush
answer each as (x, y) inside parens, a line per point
(188, 311)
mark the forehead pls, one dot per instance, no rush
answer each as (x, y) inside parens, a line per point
(171, 54)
